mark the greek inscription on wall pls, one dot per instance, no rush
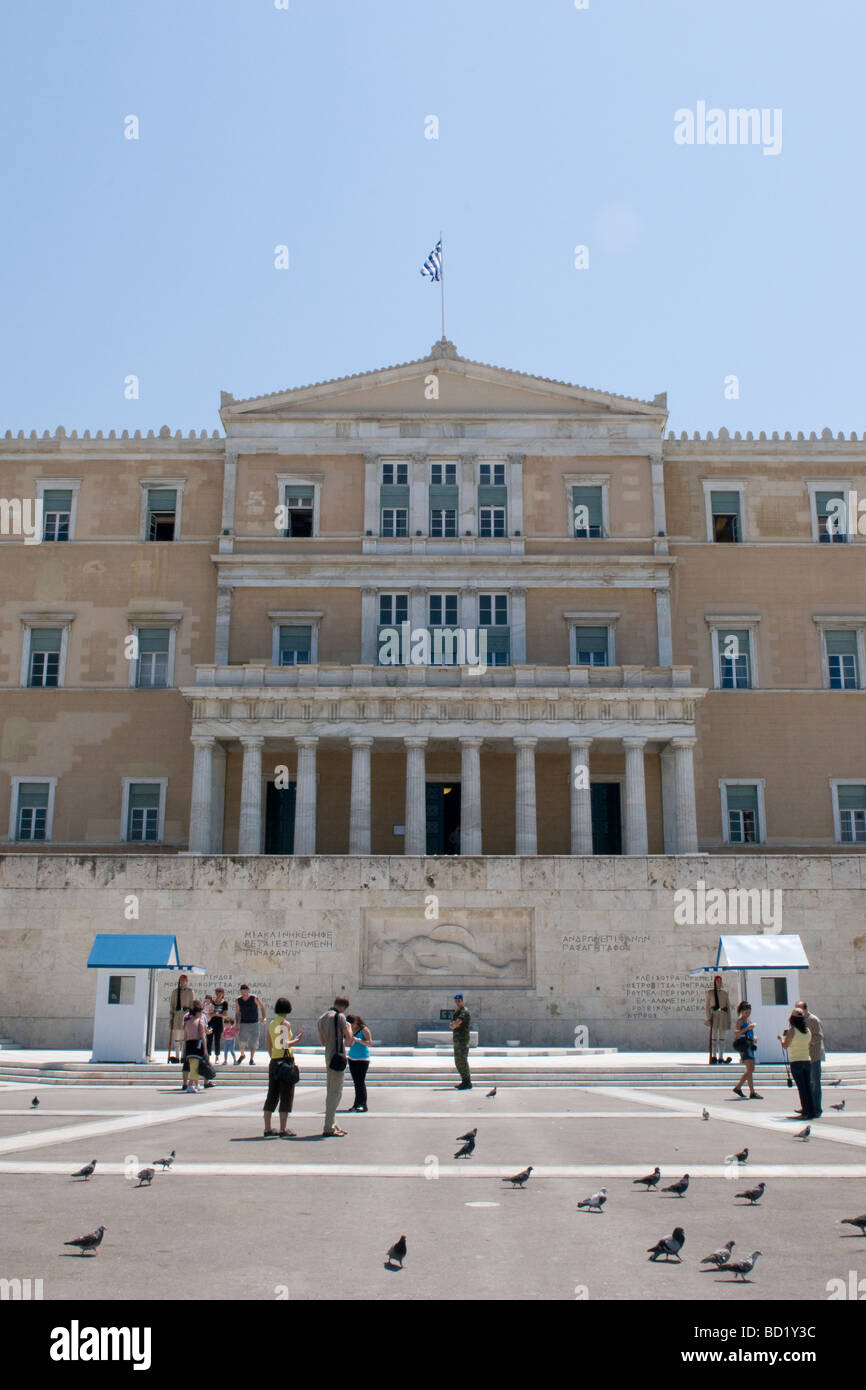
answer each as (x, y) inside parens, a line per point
(665, 996)
(590, 941)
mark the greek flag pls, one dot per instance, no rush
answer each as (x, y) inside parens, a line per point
(432, 267)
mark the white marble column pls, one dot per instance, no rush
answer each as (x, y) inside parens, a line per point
(250, 831)
(418, 511)
(684, 775)
(517, 626)
(468, 520)
(230, 477)
(526, 830)
(635, 797)
(305, 796)
(359, 800)
(417, 613)
(223, 625)
(663, 625)
(415, 840)
(470, 796)
(202, 793)
(218, 798)
(581, 801)
(371, 494)
(369, 627)
(514, 520)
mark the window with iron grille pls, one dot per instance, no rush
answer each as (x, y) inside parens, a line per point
(45, 645)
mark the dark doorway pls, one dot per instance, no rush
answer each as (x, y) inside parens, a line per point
(443, 817)
(280, 819)
(606, 818)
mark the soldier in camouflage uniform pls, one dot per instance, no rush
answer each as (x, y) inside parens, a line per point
(460, 1029)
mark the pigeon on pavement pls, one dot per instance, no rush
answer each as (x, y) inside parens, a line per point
(840, 1106)
(668, 1245)
(595, 1202)
(720, 1256)
(741, 1268)
(519, 1178)
(87, 1171)
(753, 1194)
(651, 1179)
(855, 1221)
(804, 1133)
(490, 1094)
(471, 1135)
(467, 1149)
(146, 1176)
(89, 1244)
(741, 1157)
(705, 1114)
(837, 1082)
(680, 1188)
(398, 1252)
(164, 1163)
(34, 1104)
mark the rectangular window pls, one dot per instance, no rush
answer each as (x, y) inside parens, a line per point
(442, 615)
(395, 474)
(492, 521)
(395, 521)
(442, 609)
(121, 989)
(296, 645)
(852, 814)
(586, 512)
(491, 474)
(443, 521)
(743, 827)
(45, 644)
(842, 665)
(299, 510)
(831, 509)
(725, 510)
(393, 609)
(161, 513)
(774, 990)
(735, 666)
(32, 810)
(152, 670)
(443, 474)
(591, 646)
(493, 610)
(56, 514)
(143, 813)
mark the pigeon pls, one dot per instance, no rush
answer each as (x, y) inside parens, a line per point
(465, 1137)
(398, 1252)
(680, 1188)
(721, 1256)
(490, 1094)
(804, 1133)
(519, 1178)
(840, 1106)
(89, 1244)
(837, 1082)
(741, 1157)
(855, 1221)
(705, 1114)
(87, 1171)
(668, 1245)
(741, 1268)
(753, 1194)
(164, 1163)
(467, 1149)
(651, 1179)
(146, 1176)
(595, 1202)
(34, 1104)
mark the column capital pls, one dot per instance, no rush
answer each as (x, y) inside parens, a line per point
(419, 456)
(683, 742)
(252, 740)
(579, 742)
(470, 741)
(359, 741)
(634, 742)
(524, 742)
(415, 742)
(202, 740)
(367, 591)
(306, 741)
(515, 458)
(518, 591)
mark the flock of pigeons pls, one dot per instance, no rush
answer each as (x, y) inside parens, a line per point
(89, 1244)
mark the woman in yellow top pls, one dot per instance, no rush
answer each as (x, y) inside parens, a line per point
(797, 1039)
(282, 1072)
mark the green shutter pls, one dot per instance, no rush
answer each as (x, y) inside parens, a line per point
(742, 636)
(33, 796)
(490, 495)
(443, 497)
(393, 495)
(841, 642)
(303, 493)
(295, 639)
(57, 500)
(725, 503)
(497, 639)
(143, 797)
(162, 499)
(823, 500)
(46, 639)
(591, 639)
(852, 798)
(589, 497)
(743, 799)
(153, 639)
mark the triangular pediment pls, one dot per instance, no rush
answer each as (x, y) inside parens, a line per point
(442, 383)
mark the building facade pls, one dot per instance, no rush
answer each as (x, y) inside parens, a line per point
(439, 608)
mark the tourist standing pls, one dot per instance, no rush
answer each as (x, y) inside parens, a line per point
(334, 1034)
(218, 1019)
(248, 1007)
(207, 1014)
(180, 1003)
(718, 1020)
(797, 1038)
(816, 1056)
(359, 1060)
(745, 1042)
(195, 1045)
(282, 1072)
(460, 1037)
(229, 1039)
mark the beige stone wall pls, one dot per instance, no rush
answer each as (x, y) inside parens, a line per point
(583, 936)
(339, 630)
(257, 492)
(546, 507)
(547, 630)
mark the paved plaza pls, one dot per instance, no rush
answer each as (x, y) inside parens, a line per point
(312, 1218)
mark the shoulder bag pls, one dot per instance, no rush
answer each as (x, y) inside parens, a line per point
(338, 1061)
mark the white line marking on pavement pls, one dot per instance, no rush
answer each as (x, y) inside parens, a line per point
(481, 1204)
(458, 1170)
(751, 1120)
(145, 1120)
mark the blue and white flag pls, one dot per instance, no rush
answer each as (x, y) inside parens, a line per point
(432, 267)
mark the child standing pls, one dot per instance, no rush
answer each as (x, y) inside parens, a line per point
(230, 1033)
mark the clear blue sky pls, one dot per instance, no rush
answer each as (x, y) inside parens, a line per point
(261, 126)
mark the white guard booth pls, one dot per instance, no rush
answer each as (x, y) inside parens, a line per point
(126, 987)
(769, 968)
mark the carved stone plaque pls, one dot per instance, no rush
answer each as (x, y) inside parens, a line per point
(478, 948)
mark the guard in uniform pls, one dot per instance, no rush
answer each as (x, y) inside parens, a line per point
(718, 1020)
(460, 1031)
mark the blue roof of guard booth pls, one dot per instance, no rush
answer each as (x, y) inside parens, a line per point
(135, 952)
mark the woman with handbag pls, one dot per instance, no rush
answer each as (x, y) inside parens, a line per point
(745, 1042)
(283, 1075)
(796, 1040)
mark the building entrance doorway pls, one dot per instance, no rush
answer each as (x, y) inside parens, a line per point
(280, 819)
(443, 817)
(606, 817)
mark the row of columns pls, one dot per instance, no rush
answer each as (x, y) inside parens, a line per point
(635, 840)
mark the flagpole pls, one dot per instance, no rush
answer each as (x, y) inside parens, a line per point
(442, 282)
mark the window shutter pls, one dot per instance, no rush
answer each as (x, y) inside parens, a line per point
(393, 495)
(304, 493)
(742, 636)
(841, 642)
(33, 796)
(497, 639)
(443, 497)
(57, 500)
(295, 639)
(492, 496)
(725, 503)
(591, 639)
(143, 797)
(823, 500)
(162, 499)
(743, 799)
(45, 639)
(852, 798)
(153, 639)
(589, 497)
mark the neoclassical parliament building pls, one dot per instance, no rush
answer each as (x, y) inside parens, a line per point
(193, 649)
